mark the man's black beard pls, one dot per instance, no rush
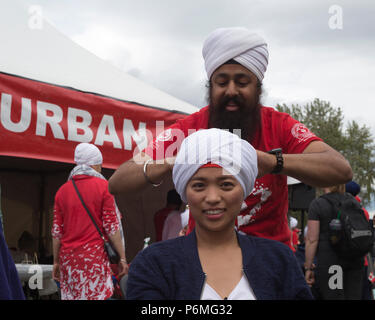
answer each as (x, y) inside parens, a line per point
(246, 118)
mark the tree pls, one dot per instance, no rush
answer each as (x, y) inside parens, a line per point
(354, 142)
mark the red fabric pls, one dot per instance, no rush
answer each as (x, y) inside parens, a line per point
(44, 121)
(294, 239)
(267, 205)
(364, 210)
(159, 219)
(210, 165)
(84, 266)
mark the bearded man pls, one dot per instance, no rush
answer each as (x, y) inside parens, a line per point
(235, 61)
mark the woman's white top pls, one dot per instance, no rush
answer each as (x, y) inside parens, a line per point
(242, 291)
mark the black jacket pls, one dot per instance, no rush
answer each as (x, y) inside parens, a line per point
(171, 270)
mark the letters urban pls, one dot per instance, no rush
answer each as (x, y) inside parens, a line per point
(75, 125)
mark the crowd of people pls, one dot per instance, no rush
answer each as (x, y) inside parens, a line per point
(225, 229)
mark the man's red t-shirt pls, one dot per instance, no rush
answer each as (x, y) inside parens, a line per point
(264, 211)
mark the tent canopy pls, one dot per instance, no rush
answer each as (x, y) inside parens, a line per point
(55, 94)
(39, 51)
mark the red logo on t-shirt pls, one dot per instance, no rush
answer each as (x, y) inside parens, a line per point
(162, 137)
(300, 132)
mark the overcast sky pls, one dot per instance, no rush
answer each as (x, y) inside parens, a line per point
(317, 48)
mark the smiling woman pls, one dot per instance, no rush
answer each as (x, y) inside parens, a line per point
(214, 197)
(214, 172)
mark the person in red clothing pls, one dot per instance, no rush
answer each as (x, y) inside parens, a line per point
(81, 264)
(173, 204)
(236, 60)
(293, 222)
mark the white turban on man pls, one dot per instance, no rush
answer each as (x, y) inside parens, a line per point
(88, 154)
(237, 43)
(218, 147)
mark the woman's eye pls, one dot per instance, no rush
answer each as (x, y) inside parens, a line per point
(197, 185)
(227, 184)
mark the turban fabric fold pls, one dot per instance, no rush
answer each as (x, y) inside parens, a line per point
(88, 154)
(219, 147)
(247, 48)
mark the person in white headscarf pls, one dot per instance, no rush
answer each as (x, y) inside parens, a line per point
(246, 48)
(294, 239)
(236, 60)
(81, 265)
(214, 172)
(89, 162)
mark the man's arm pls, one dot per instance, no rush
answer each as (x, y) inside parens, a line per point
(319, 165)
(129, 177)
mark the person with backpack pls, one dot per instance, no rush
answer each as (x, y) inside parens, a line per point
(339, 235)
(354, 189)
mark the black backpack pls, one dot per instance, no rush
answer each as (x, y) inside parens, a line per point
(355, 239)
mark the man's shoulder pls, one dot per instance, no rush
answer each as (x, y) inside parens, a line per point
(203, 114)
(294, 135)
(197, 120)
(272, 112)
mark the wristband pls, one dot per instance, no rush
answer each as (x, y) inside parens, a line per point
(309, 269)
(146, 177)
(279, 160)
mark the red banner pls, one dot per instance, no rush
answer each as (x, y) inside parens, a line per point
(44, 121)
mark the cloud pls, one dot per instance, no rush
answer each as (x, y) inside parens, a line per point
(160, 42)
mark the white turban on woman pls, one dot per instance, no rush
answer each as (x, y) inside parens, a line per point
(245, 47)
(88, 154)
(218, 147)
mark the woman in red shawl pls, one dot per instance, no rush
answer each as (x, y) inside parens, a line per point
(80, 262)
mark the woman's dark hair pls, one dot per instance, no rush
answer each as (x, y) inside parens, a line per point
(173, 197)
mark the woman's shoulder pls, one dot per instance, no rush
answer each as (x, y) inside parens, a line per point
(267, 242)
(163, 250)
(166, 245)
(265, 247)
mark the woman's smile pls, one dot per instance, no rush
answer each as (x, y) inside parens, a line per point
(214, 214)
